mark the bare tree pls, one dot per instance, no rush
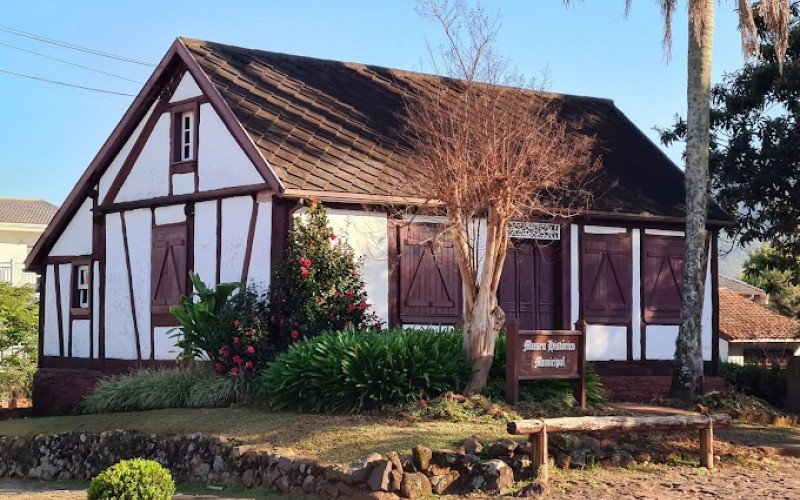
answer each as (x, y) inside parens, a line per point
(687, 377)
(487, 154)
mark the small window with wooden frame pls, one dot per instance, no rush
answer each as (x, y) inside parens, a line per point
(185, 120)
(81, 301)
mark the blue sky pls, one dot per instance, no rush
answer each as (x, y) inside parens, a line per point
(49, 134)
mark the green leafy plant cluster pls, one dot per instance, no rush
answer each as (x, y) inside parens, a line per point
(364, 370)
(135, 479)
(19, 326)
(539, 391)
(777, 273)
(195, 387)
(224, 327)
(318, 286)
(768, 384)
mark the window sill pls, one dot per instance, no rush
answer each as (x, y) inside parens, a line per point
(80, 312)
(183, 167)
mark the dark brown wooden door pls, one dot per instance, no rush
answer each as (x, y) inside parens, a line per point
(168, 278)
(528, 288)
(606, 270)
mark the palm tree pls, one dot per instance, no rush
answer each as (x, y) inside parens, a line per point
(687, 376)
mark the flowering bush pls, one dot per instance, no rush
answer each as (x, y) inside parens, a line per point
(318, 287)
(224, 328)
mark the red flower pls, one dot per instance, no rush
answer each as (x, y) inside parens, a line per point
(224, 351)
(362, 305)
(333, 236)
(236, 323)
(218, 367)
(378, 327)
(235, 370)
(251, 350)
(349, 295)
(351, 307)
(236, 340)
(304, 272)
(249, 365)
(238, 360)
(295, 334)
(304, 261)
(313, 201)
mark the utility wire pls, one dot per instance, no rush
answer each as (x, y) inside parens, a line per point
(65, 84)
(70, 63)
(72, 46)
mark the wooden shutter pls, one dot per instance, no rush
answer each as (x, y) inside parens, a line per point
(662, 278)
(606, 270)
(528, 287)
(168, 277)
(548, 272)
(430, 283)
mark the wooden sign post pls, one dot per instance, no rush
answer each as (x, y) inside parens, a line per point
(545, 355)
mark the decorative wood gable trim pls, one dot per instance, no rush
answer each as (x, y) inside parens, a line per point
(163, 81)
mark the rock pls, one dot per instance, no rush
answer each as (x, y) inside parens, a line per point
(421, 457)
(579, 458)
(642, 457)
(440, 484)
(436, 470)
(562, 460)
(395, 478)
(359, 472)
(394, 458)
(415, 485)
(501, 448)
(219, 464)
(379, 476)
(375, 495)
(564, 442)
(492, 476)
(247, 478)
(309, 484)
(473, 446)
(625, 460)
(535, 490)
(591, 444)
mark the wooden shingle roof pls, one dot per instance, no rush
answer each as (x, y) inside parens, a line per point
(337, 127)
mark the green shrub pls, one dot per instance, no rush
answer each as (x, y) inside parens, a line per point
(195, 387)
(768, 384)
(224, 328)
(19, 329)
(318, 286)
(135, 479)
(539, 390)
(353, 371)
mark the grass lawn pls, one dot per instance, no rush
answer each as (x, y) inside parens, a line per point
(331, 439)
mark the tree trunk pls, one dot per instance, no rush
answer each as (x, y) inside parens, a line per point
(687, 376)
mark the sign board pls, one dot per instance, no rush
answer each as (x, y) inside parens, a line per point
(545, 355)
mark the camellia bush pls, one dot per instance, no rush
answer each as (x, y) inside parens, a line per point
(224, 327)
(355, 370)
(318, 286)
(19, 327)
(136, 478)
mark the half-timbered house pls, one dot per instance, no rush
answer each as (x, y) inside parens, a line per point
(208, 165)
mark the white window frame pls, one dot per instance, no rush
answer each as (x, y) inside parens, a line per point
(82, 285)
(187, 135)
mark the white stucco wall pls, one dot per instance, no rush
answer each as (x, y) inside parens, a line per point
(222, 163)
(367, 233)
(187, 88)
(259, 271)
(116, 164)
(149, 177)
(170, 214)
(50, 344)
(139, 225)
(66, 292)
(76, 239)
(96, 310)
(119, 333)
(80, 338)
(236, 213)
(205, 240)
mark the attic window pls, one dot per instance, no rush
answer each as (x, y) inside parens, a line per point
(187, 136)
(184, 133)
(81, 297)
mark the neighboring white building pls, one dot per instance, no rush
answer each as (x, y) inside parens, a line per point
(207, 167)
(22, 221)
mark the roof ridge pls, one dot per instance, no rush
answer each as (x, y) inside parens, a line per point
(405, 72)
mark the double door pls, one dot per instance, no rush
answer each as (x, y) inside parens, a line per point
(530, 285)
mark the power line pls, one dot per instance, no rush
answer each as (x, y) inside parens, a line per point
(65, 84)
(72, 46)
(69, 62)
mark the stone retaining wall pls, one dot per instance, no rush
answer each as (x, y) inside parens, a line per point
(211, 460)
